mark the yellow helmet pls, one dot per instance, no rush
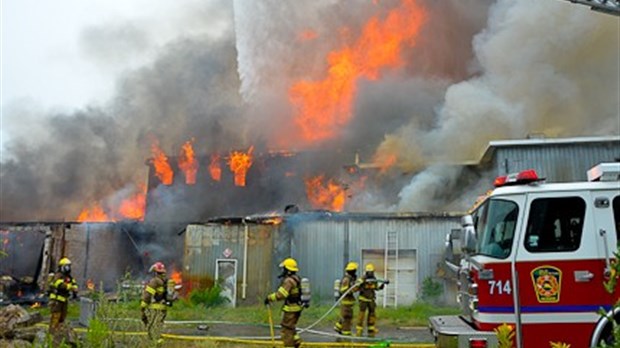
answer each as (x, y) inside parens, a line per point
(370, 267)
(351, 266)
(290, 264)
(64, 261)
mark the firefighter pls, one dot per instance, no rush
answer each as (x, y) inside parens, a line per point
(60, 287)
(154, 304)
(290, 292)
(367, 296)
(343, 326)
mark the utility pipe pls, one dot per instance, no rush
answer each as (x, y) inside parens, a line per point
(244, 284)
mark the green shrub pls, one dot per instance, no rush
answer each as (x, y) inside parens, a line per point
(210, 297)
(431, 290)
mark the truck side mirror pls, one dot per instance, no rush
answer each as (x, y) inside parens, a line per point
(469, 235)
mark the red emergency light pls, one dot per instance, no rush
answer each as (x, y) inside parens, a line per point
(477, 343)
(520, 178)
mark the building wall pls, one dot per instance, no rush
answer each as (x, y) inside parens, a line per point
(100, 252)
(323, 247)
(556, 162)
(204, 244)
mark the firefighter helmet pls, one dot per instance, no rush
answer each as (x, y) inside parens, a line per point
(158, 267)
(290, 264)
(351, 266)
(370, 267)
(64, 261)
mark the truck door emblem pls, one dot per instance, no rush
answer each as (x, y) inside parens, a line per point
(547, 283)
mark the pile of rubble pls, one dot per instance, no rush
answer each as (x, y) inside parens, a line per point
(17, 327)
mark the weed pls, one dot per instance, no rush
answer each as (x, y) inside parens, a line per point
(505, 336)
(431, 290)
(210, 297)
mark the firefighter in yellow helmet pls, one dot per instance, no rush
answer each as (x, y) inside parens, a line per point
(61, 286)
(154, 305)
(368, 288)
(348, 285)
(290, 292)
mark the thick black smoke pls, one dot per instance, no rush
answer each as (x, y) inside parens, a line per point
(228, 89)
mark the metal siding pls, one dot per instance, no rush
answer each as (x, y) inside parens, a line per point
(206, 243)
(558, 162)
(318, 245)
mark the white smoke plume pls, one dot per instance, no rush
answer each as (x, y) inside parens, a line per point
(543, 67)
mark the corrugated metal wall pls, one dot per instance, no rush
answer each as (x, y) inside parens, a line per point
(322, 248)
(556, 162)
(204, 244)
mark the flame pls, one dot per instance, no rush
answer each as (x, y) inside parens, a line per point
(176, 276)
(94, 214)
(134, 207)
(35, 305)
(188, 163)
(162, 168)
(324, 107)
(90, 285)
(240, 163)
(215, 168)
(329, 196)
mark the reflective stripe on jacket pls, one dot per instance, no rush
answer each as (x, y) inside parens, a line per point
(290, 292)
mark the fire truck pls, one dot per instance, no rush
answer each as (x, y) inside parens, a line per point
(536, 256)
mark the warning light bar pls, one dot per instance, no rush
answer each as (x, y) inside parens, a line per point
(520, 178)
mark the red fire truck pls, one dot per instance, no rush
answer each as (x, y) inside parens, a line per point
(536, 256)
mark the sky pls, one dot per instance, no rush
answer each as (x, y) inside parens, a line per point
(44, 59)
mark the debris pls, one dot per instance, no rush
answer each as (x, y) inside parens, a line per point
(203, 327)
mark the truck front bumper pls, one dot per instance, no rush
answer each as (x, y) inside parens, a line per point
(451, 331)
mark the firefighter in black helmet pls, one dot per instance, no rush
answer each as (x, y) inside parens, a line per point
(290, 292)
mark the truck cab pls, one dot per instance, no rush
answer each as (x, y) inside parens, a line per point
(536, 256)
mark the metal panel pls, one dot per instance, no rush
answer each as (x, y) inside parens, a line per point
(557, 162)
(206, 243)
(320, 246)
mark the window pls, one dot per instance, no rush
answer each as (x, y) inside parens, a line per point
(495, 224)
(555, 224)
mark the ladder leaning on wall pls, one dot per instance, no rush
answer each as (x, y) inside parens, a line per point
(390, 264)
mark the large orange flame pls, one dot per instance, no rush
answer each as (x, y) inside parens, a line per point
(215, 168)
(160, 161)
(325, 196)
(324, 107)
(188, 163)
(133, 207)
(240, 163)
(93, 214)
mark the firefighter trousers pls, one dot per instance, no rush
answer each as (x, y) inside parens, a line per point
(343, 326)
(58, 314)
(290, 338)
(370, 307)
(155, 322)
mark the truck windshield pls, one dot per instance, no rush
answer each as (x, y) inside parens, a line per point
(495, 223)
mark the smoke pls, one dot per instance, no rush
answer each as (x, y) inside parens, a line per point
(544, 67)
(476, 73)
(58, 162)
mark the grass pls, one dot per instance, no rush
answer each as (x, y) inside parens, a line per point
(414, 315)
